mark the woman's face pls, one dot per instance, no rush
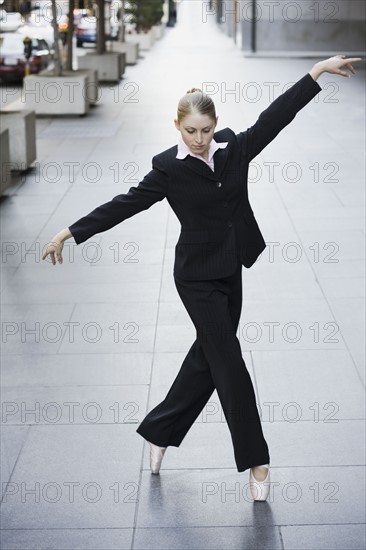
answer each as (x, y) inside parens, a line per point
(197, 132)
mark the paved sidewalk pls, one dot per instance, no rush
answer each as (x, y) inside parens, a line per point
(91, 346)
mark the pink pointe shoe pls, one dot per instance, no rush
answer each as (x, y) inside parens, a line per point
(156, 456)
(259, 489)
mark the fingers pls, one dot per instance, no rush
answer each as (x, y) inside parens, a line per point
(347, 62)
(351, 68)
(51, 250)
(59, 257)
(350, 59)
(354, 59)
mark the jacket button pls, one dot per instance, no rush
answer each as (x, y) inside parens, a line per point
(218, 184)
(229, 224)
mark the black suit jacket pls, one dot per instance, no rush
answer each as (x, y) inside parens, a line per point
(218, 227)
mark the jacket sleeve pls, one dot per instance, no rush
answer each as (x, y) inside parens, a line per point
(152, 188)
(278, 115)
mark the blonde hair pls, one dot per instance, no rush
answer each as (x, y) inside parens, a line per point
(194, 100)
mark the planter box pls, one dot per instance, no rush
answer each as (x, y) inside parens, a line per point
(158, 31)
(5, 165)
(22, 137)
(110, 65)
(48, 94)
(144, 39)
(130, 49)
(92, 88)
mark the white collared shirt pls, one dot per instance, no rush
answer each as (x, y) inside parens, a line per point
(184, 150)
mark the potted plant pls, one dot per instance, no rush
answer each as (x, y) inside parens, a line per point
(109, 64)
(131, 49)
(61, 91)
(144, 14)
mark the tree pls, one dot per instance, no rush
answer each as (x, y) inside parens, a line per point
(57, 57)
(70, 34)
(145, 13)
(100, 27)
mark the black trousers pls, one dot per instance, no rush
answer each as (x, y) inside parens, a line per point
(213, 361)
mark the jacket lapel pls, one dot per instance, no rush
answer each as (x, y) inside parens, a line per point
(202, 169)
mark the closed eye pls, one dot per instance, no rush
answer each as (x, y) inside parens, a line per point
(192, 131)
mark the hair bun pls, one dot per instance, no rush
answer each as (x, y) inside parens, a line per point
(193, 90)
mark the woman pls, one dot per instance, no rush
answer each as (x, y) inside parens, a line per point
(205, 182)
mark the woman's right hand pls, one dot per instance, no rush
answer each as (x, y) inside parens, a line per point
(54, 247)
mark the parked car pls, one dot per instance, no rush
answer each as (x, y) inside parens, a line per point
(86, 30)
(12, 58)
(10, 21)
(39, 28)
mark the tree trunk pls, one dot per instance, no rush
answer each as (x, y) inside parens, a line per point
(100, 27)
(70, 34)
(121, 31)
(57, 57)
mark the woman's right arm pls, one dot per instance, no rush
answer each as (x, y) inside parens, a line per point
(152, 188)
(54, 248)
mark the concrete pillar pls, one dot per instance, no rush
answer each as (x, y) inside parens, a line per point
(303, 26)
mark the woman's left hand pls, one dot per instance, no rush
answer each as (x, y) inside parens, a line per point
(334, 64)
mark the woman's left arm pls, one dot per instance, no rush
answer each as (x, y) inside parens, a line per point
(334, 65)
(284, 109)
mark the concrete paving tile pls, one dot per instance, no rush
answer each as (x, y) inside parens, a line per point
(350, 316)
(351, 199)
(349, 218)
(323, 537)
(100, 336)
(322, 384)
(124, 404)
(33, 328)
(311, 444)
(174, 338)
(218, 498)
(12, 441)
(67, 539)
(169, 291)
(62, 466)
(20, 250)
(288, 324)
(76, 369)
(351, 268)
(283, 280)
(90, 273)
(213, 538)
(110, 328)
(129, 251)
(24, 205)
(288, 248)
(6, 276)
(306, 217)
(334, 245)
(293, 196)
(13, 228)
(57, 184)
(143, 312)
(71, 293)
(347, 287)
